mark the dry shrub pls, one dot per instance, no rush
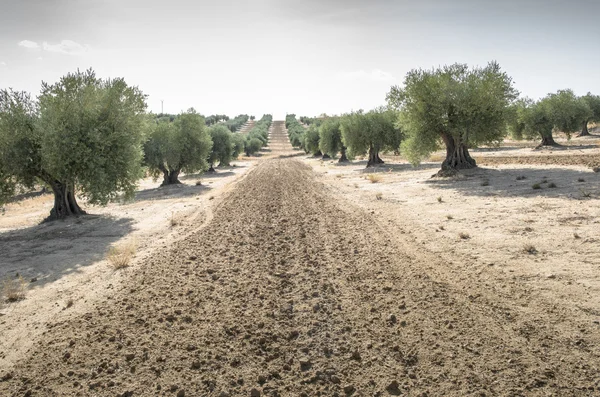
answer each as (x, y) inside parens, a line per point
(464, 236)
(373, 178)
(198, 183)
(120, 257)
(529, 249)
(439, 199)
(14, 290)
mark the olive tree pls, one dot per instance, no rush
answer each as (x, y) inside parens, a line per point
(593, 102)
(222, 147)
(181, 145)
(370, 133)
(330, 139)
(237, 141)
(311, 140)
(83, 135)
(458, 106)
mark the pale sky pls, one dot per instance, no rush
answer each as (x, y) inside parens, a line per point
(305, 57)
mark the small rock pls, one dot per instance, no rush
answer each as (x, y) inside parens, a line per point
(254, 392)
(181, 393)
(129, 356)
(392, 319)
(356, 355)
(551, 276)
(349, 389)
(33, 280)
(224, 394)
(335, 380)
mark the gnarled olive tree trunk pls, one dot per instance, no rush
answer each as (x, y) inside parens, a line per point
(171, 177)
(584, 129)
(343, 158)
(374, 158)
(548, 140)
(457, 154)
(65, 203)
(325, 156)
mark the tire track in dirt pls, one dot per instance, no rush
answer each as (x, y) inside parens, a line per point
(289, 292)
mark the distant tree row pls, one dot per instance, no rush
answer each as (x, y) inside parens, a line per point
(215, 118)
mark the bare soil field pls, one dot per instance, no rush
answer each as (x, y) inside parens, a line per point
(63, 264)
(308, 279)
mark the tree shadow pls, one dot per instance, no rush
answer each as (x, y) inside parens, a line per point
(523, 182)
(44, 253)
(171, 191)
(397, 167)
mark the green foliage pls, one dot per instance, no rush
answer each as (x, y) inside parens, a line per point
(593, 102)
(236, 123)
(183, 145)
(252, 146)
(222, 147)
(311, 140)
(237, 141)
(452, 104)
(295, 131)
(20, 142)
(330, 137)
(567, 111)
(535, 119)
(215, 118)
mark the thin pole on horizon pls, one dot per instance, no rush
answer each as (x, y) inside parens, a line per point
(162, 110)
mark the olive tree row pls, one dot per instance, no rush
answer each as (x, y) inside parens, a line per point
(561, 111)
(258, 136)
(82, 134)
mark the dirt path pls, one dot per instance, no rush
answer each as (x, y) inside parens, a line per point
(290, 291)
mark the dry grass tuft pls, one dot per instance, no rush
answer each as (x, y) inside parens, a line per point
(449, 217)
(552, 185)
(120, 257)
(14, 290)
(536, 186)
(198, 182)
(373, 178)
(529, 249)
(379, 195)
(521, 178)
(439, 199)
(464, 236)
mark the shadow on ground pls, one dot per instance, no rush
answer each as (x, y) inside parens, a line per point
(51, 250)
(548, 182)
(171, 191)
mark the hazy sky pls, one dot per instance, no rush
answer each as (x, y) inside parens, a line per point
(305, 57)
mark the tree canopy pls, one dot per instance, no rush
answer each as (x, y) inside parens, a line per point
(458, 106)
(83, 134)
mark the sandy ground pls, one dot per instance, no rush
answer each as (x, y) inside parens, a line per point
(305, 282)
(63, 263)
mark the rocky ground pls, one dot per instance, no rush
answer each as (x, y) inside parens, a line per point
(292, 290)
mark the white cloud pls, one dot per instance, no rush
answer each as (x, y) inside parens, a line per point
(66, 47)
(29, 44)
(372, 75)
(3, 63)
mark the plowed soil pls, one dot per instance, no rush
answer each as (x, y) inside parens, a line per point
(292, 291)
